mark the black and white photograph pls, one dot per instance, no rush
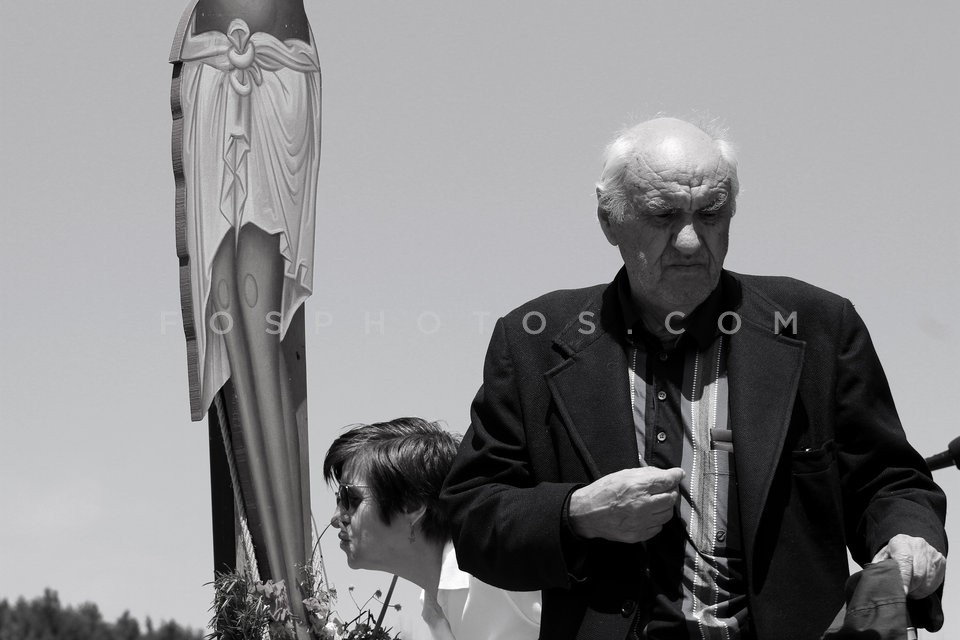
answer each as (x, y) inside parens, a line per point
(479, 321)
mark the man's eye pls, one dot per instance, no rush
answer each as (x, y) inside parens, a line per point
(663, 214)
(716, 205)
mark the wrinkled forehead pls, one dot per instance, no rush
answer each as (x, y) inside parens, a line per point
(685, 161)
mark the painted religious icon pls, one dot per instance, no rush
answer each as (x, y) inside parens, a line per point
(246, 147)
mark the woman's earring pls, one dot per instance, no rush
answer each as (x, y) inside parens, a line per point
(412, 535)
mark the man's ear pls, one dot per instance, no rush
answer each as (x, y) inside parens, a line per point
(603, 215)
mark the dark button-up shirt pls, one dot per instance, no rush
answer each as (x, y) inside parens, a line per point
(679, 401)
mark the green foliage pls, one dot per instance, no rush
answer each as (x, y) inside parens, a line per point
(44, 618)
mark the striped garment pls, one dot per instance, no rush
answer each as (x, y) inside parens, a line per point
(679, 400)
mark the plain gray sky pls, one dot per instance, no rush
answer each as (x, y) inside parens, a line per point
(461, 142)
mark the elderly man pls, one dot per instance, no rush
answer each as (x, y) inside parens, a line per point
(688, 452)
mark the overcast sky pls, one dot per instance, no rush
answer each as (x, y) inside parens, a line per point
(461, 142)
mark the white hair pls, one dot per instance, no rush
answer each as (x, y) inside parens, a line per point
(612, 193)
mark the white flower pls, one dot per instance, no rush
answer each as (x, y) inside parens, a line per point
(331, 631)
(312, 605)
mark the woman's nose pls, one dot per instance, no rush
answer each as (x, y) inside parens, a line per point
(339, 518)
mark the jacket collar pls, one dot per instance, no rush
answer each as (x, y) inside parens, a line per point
(702, 325)
(613, 310)
(600, 316)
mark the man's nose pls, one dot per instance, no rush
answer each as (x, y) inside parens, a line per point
(687, 242)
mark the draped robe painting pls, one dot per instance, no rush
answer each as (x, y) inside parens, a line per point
(246, 144)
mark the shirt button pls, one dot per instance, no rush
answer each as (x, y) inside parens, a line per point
(661, 395)
(663, 356)
(628, 607)
(721, 536)
(661, 436)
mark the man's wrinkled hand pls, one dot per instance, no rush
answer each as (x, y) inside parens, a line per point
(630, 505)
(922, 567)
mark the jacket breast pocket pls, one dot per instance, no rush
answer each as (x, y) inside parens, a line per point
(814, 460)
(813, 504)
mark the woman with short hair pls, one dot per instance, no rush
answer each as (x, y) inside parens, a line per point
(388, 478)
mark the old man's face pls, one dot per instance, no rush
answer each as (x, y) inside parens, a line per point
(673, 236)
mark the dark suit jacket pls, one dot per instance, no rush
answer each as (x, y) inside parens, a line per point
(821, 459)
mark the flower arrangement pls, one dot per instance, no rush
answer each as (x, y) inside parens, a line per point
(245, 608)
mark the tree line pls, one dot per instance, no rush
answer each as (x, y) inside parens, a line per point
(44, 618)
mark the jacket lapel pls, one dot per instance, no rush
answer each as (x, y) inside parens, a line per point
(591, 388)
(763, 371)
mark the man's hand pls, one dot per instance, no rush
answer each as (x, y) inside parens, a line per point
(630, 505)
(922, 567)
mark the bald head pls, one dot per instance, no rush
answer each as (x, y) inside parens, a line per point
(666, 198)
(653, 154)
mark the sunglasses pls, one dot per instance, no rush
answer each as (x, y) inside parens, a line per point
(347, 499)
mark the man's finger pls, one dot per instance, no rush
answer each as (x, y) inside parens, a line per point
(883, 554)
(928, 570)
(660, 506)
(659, 517)
(921, 566)
(921, 573)
(652, 531)
(666, 498)
(906, 572)
(664, 480)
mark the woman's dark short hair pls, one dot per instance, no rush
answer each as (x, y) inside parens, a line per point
(405, 462)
